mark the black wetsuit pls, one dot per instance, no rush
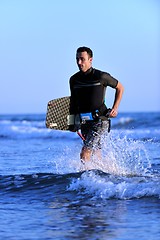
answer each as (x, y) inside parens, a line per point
(88, 90)
(88, 95)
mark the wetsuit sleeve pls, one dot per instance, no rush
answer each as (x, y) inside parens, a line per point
(72, 98)
(108, 80)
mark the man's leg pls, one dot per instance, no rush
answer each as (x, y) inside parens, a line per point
(91, 142)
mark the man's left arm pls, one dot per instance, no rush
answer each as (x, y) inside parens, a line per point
(118, 96)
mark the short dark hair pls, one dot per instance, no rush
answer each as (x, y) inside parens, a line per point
(85, 49)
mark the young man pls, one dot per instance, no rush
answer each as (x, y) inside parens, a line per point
(88, 88)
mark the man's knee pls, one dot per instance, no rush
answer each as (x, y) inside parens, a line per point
(85, 154)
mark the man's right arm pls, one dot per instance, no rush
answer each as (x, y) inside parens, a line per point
(72, 107)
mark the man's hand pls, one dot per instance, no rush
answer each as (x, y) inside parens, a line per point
(113, 113)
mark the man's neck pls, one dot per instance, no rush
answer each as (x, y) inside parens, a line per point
(87, 72)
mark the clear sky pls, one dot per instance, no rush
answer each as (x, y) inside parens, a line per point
(39, 38)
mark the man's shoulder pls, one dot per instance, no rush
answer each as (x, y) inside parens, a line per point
(75, 75)
(100, 73)
(73, 78)
(105, 78)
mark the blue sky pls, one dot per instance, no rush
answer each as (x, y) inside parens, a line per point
(39, 38)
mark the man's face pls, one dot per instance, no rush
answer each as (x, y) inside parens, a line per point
(84, 62)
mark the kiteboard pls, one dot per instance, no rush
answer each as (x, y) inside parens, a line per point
(58, 113)
(58, 116)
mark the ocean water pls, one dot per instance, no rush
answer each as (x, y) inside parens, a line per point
(46, 193)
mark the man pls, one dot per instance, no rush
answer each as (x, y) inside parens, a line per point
(88, 88)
